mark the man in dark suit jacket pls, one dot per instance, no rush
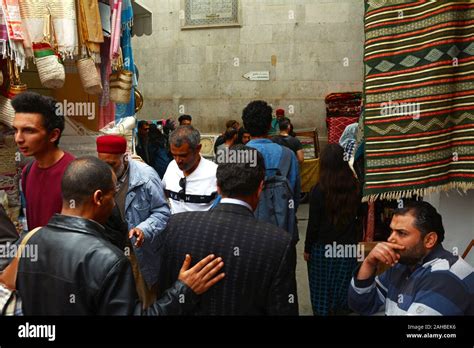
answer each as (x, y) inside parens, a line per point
(259, 257)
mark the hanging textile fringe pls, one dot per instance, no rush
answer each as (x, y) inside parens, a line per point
(3, 36)
(14, 33)
(460, 187)
(64, 21)
(3, 49)
(11, 15)
(16, 53)
(89, 29)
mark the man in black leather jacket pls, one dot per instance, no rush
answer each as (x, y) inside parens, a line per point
(79, 272)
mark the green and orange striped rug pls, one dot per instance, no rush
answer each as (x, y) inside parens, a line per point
(419, 97)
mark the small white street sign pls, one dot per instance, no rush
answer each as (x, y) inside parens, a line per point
(258, 76)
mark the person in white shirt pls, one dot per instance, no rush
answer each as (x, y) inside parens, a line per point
(190, 180)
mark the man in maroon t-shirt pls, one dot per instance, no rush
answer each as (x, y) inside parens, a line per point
(38, 128)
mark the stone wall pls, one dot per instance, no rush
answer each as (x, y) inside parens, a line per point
(317, 47)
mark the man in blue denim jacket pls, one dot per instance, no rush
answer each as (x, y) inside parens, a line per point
(141, 210)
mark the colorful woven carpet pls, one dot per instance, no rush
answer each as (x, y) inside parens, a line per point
(419, 97)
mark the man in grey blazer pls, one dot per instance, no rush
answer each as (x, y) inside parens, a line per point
(259, 266)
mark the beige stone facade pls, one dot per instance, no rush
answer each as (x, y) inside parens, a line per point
(317, 49)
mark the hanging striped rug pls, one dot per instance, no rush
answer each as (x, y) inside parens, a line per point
(419, 97)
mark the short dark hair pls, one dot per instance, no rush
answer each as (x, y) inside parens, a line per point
(240, 179)
(427, 219)
(83, 177)
(257, 118)
(141, 123)
(34, 103)
(231, 124)
(242, 131)
(184, 118)
(284, 124)
(240, 136)
(185, 134)
(230, 133)
(169, 126)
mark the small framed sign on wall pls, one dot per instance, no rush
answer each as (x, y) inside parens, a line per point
(198, 14)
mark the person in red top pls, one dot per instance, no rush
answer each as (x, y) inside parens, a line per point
(38, 127)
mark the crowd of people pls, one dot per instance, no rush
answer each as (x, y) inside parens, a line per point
(178, 234)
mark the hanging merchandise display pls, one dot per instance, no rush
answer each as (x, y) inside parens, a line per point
(90, 39)
(342, 109)
(121, 83)
(89, 74)
(7, 113)
(128, 109)
(90, 29)
(48, 61)
(138, 100)
(63, 20)
(11, 13)
(3, 35)
(94, 34)
(419, 99)
(58, 35)
(107, 107)
(14, 32)
(116, 28)
(16, 86)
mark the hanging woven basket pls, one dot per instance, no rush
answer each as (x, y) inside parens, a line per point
(50, 66)
(90, 76)
(7, 113)
(51, 71)
(121, 84)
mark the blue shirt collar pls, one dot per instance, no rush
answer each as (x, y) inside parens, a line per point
(259, 141)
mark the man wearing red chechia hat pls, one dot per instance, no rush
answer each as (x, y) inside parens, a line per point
(141, 209)
(280, 114)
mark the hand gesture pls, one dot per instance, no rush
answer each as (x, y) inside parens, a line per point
(384, 252)
(138, 233)
(203, 275)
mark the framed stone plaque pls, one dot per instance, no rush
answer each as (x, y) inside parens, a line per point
(198, 14)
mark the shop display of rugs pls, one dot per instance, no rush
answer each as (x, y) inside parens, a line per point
(419, 97)
(342, 109)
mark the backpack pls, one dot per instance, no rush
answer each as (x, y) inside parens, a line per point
(275, 205)
(23, 181)
(10, 300)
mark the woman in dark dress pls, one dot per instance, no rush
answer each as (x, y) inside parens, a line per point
(334, 225)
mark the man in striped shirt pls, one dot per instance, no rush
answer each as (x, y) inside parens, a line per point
(424, 278)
